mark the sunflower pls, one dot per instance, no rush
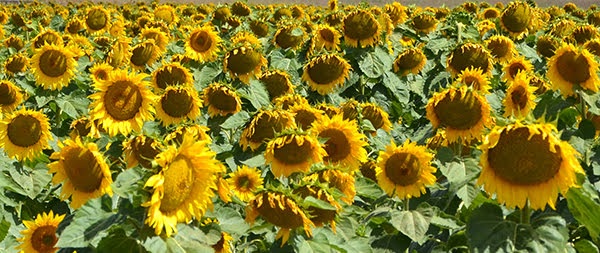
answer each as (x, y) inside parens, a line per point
(527, 163)
(411, 60)
(24, 134)
(328, 109)
(166, 13)
(484, 26)
(517, 18)
(40, 235)
(377, 116)
(326, 72)
(405, 170)
(582, 34)
(514, 66)
(344, 144)
(368, 169)
(572, 66)
(160, 38)
(501, 48)
(319, 216)
(244, 62)
(15, 42)
(144, 54)
(11, 96)
(46, 36)
(263, 127)
(245, 182)
(305, 115)
(99, 72)
(171, 74)
(140, 150)
(546, 45)
(245, 38)
(122, 102)
(221, 100)
(361, 29)
(474, 78)
(463, 113)
(176, 104)
(490, 13)
(341, 180)
(397, 12)
(259, 28)
(325, 37)
(289, 100)
(291, 153)
(277, 83)
(203, 44)
(97, 19)
(53, 66)
(280, 210)
(593, 46)
(469, 55)
(240, 9)
(83, 127)
(198, 132)
(224, 244)
(290, 37)
(424, 22)
(349, 109)
(519, 100)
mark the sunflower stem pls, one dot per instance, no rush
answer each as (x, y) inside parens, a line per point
(525, 213)
(406, 204)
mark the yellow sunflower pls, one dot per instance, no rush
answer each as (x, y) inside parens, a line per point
(40, 235)
(245, 182)
(203, 44)
(361, 29)
(15, 42)
(221, 100)
(469, 55)
(329, 109)
(198, 132)
(120, 54)
(160, 38)
(289, 100)
(593, 46)
(74, 26)
(397, 12)
(517, 19)
(144, 54)
(24, 134)
(305, 115)
(122, 102)
(263, 127)
(377, 116)
(519, 100)
(171, 74)
(224, 244)
(290, 37)
(46, 36)
(53, 66)
(349, 109)
(319, 216)
(326, 72)
(244, 63)
(484, 26)
(97, 19)
(82, 170)
(582, 34)
(83, 127)
(546, 45)
(424, 22)
(291, 153)
(140, 150)
(259, 28)
(99, 72)
(166, 13)
(344, 144)
(474, 78)
(527, 163)
(11, 96)
(245, 38)
(514, 66)
(17, 63)
(277, 83)
(411, 60)
(280, 210)
(572, 67)
(177, 104)
(341, 180)
(325, 37)
(463, 113)
(184, 187)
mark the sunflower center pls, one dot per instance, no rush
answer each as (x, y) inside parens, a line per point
(179, 180)
(289, 37)
(243, 60)
(142, 54)
(469, 56)
(573, 67)
(514, 69)
(499, 48)
(326, 71)
(402, 169)
(24, 131)
(123, 100)
(44, 238)
(83, 170)
(144, 152)
(170, 77)
(305, 118)
(53, 63)
(360, 26)
(519, 97)
(459, 112)
(516, 19)
(201, 41)
(523, 158)
(7, 94)
(243, 183)
(283, 213)
(337, 145)
(46, 38)
(96, 19)
(409, 60)
(176, 103)
(276, 84)
(327, 35)
(16, 64)
(223, 101)
(424, 22)
(101, 74)
(82, 127)
(293, 153)
(472, 81)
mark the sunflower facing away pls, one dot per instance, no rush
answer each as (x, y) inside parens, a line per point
(326, 72)
(517, 19)
(291, 153)
(519, 100)
(140, 150)
(183, 189)
(24, 134)
(244, 63)
(177, 104)
(469, 55)
(524, 163)
(122, 102)
(40, 235)
(405, 170)
(171, 74)
(572, 67)
(377, 116)
(245, 181)
(53, 66)
(82, 170)
(203, 44)
(221, 100)
(410, 61)
(10, 96)
(264, 126)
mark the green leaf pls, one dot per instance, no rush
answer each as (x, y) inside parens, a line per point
(396, 87)
(586, 129)
(413, 224)
(57, 23)
(118, 241)
(585, 210)
(257, 161)
(4, 226)
(256, 93)
(396, 243)
(593, 102)
(206, 75)
(569, 116)
(236, 121)
(67, 107)
(31, 181)
(549, 232)
(586, 246)
(446, 221)
(128, 182)
(367, 189)
(373, 64)
(193, 240)
(488, 231)
(155, 244)
(89, 221)
(314, 202)
(231, 221)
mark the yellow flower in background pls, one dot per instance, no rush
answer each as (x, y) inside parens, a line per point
(277, 83)
(291, 153)
(16, 64)
(11, 96)
(517, 18)
(469, 55)
(24, 134)
(203, 44)
(144, 54)
(198, 132)
(244, 63)
(326, 72)
(177, 104)
(361, 29)
(40, 235)
(520, 97)
(97, 19)
(221, 100)
(572, 67)
(514, 66)
(475, 79)
(245, 181)
(53, 66)
(264, 126)
(171, 74)
(141, 150)
(411, 60)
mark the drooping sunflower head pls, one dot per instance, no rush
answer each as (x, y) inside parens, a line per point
(144, 54)
(279, 209)
(519, 100)
(197, 132)
(514, 66)
(572, 67)
(593, 46)
(469, 55)
(377, 116)
(46, 36)
(245, 182)
(166, 13)
(120, 54)
(264, 126)
(344, 144)
(171, 74)
(160, 38)
(474, 78)
(259, 28)
(490, 13)
(325, 37)
(463, 113)
(540, 83)
(277, 83)
(15, 42)
(97, 19)
(517, 18)
(546, 45)
(244, 63)
(305, 115)
(240, 9)
(501, 48)
(11, 96)
(563, 28)
(178, 104)
(319, 216)
(83, 127)
(245, 38)
(326, 72)
(53, 66)
(290, 36)
(82, 170)
(397, 12)
(405, 171)
(584, 33)
(140, 150)
(40, 235)
(361, 29)
(593, 18)
(349, 109)
(24, 134)
(288, 101)
(292, 153)
(221, 100)
(329, 109)
(367, 169)
(424, 22)
(122, 102)
(335, 178)
(203, 44)
(184, 187)
(410, 61)
(527, 163)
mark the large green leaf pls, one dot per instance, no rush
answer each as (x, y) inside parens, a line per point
(206, 75)
(585, 210)
(398, 88)
(413, 224)
(374, 64)
(118, 241)
(31, 181)
(231, 221)
(4, 226)
(236, 121)
(256, 93)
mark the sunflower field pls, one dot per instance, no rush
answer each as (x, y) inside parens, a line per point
(238, 127)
